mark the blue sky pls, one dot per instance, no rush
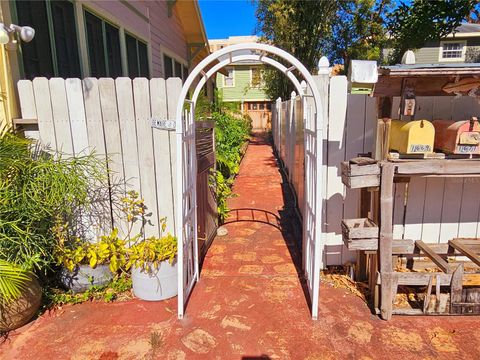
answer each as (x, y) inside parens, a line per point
(224, 18)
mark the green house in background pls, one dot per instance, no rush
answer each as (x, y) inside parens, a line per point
(241, 83)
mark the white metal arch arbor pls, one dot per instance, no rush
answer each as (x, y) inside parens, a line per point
(186, 216)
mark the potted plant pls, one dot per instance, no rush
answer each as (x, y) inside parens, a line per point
(87, 264)
(20, 296)
(154, 267)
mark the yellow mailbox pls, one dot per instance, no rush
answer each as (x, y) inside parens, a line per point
(412, 137)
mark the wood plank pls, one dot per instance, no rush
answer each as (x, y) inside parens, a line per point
(76, 112)
(93, 115)
(96, 140)
(432, 211)
(456, 289)
(437, 259)
(470, 208)
(399, 210)
(464, 250)
(386, 240)
(43, 105)
(28, 109)
(61, 116)
(353, 145)
(162, 155)
(173, 89)
(113, 144)
(414, 208)
(146, 160)
(451, 209)
(438, 167)
(128, 132)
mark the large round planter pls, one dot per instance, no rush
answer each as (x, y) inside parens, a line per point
(20, 311)
(155, 284)
(83, 277)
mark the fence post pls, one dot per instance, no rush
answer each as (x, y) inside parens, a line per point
(322, 82)
(278, 106)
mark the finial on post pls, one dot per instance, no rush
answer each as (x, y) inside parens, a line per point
(323, 66)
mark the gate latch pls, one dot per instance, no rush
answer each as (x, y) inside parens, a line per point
(162, 124)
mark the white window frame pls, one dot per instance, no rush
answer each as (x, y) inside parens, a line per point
(464, 49)
(233, 77)
(261, 84)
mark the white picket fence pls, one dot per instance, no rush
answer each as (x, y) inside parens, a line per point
(432, 209)
(112, 117)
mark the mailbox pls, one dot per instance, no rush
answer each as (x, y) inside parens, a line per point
(457, 137)
(412, 137)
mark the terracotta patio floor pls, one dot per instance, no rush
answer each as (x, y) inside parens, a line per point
(249, 303)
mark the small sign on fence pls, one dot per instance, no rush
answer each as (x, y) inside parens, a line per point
(162, 124)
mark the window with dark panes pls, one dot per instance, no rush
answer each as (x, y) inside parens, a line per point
(178, 69)
(103, 47)
(143, 59)
(168, 63)
(96, 53)
(132, 56)
(114, 55)
(54, 50)
(185, 73)
(137, 57)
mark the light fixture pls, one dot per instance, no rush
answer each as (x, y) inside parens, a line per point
(4, 35)
(27, 33)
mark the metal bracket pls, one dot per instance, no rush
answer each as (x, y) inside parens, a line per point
(162, 124)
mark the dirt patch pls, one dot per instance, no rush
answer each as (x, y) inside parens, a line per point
(442, 339)
(199, 341)
(234, 321)
(401, 338)
(271, 259)
(251, 269)
(245, 256)
(360, 332)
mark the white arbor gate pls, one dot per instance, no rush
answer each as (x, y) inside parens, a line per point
(188, 268)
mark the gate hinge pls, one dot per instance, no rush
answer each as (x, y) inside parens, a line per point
(162, 124)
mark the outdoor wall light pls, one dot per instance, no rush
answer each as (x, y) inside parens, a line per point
(26, 33)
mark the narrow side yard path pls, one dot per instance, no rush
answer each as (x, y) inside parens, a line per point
(249, 303)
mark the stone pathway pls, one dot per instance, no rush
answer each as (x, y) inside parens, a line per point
(249, 303)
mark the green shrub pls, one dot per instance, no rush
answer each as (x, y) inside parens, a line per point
(37, 188)
(232, 131)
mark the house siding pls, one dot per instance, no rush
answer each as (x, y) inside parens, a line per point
(242, 91)
(430, 53)
(149, 21)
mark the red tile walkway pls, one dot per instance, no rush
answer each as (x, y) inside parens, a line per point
(249, 304)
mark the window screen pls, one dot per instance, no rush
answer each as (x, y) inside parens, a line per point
(167, 61)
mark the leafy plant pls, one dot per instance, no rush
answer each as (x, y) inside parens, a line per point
(12, 282)
(149, 253)
(38, 187)
(232, 131)
(110, 249)
(118, 288)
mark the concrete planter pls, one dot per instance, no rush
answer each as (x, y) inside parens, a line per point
(83, 277)
(157, 284)
(20, 311)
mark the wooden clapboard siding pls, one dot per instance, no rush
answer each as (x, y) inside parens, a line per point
(112, 118)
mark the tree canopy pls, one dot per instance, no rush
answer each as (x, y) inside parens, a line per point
(354, 29)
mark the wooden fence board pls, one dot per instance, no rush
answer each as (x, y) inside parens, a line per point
(76, 112)
(163, 157)
(44, 112)
(61, 117)
(28, 109)
(113, 145)
(174, 87)
(470, 207)
(93, 115)
(146, 160)
(451, 209)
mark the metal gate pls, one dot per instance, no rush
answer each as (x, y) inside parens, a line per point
(187, 215)
(188, 268)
